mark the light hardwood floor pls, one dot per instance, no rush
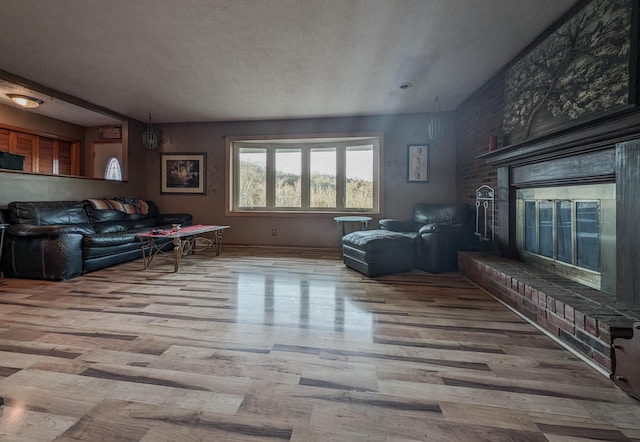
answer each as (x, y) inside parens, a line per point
(266, 344)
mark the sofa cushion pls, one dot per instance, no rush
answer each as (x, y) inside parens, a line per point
(109, 239)
(99, 216)
(47, 213)
(379, 240)
(141, 224)
(111, 227)
(94, 252)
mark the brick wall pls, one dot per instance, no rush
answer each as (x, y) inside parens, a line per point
(479, 117)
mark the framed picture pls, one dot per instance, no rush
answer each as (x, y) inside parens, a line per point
(110, 132)
(183, 173)
(418, 163)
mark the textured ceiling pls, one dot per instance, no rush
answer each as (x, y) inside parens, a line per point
(223, 60)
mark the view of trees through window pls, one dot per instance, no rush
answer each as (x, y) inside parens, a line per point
(306, 177)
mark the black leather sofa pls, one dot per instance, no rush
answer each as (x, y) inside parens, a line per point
(59, 240)
(429, 241)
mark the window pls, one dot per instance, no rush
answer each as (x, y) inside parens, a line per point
(305, 175)
(113, 171)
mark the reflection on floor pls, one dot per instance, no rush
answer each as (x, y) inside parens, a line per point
(266, 344)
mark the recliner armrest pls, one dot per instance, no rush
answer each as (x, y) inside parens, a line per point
(456, 229)
(396, 225)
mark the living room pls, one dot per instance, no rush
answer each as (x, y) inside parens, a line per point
(472, 145)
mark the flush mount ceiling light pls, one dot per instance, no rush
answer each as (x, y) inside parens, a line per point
(405, 85)
(25, 101)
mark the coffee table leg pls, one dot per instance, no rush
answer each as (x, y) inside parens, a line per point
(177, 252)
(148, 243)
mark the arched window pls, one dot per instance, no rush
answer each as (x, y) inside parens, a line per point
(113, 171)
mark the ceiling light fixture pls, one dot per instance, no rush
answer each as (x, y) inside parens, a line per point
(149, 137)
(434, 126)
(405, 85)
(25, 101)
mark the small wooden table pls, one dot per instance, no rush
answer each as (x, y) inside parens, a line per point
(184, 241)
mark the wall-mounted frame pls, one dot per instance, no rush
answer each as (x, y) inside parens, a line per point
(183, 173)
(110, 133)
(418, 163)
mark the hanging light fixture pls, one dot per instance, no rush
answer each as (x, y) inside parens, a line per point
(149, 138)
(434, 126)
(25, 101)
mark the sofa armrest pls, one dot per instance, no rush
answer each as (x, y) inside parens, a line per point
(43, 252)
(396, 225)
(31, 230)
(184, 219)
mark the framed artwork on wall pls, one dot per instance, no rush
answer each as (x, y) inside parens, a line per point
(110, 133)
(183, 173)
(418, 163)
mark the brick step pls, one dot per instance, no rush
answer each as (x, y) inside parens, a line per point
(583, 318)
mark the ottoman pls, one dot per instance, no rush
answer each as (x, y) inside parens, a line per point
(378, 252)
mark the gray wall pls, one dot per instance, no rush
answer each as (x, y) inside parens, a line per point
(312, 230)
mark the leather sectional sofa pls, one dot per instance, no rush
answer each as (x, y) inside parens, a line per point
(59, 240)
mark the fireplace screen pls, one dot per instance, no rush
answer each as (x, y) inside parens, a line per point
(571, 231)
(566, 231)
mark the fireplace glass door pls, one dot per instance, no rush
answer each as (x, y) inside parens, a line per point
(563, 230)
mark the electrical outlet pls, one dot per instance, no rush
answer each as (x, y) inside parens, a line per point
(273, 232)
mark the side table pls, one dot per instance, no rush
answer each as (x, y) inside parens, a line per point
(341, 220)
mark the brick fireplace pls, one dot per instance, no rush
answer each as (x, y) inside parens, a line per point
(586, 318)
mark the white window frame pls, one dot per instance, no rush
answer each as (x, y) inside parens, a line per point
(305, 143)
(110, 165)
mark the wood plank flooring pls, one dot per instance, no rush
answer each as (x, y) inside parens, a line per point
(268, 344)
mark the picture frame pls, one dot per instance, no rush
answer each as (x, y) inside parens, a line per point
(183, 173)
(418, 163)
(110, 132)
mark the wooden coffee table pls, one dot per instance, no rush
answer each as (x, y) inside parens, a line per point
(184, 241)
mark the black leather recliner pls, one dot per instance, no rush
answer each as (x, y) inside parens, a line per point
(440, 231)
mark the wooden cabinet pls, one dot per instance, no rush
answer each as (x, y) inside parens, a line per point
(42, 154)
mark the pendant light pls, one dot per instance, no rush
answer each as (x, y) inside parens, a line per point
(149, 137)
(434, 126)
